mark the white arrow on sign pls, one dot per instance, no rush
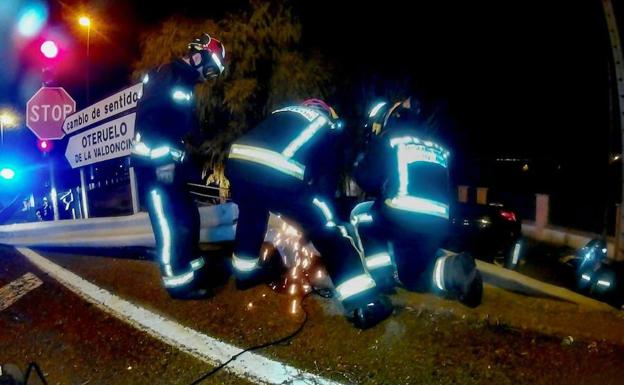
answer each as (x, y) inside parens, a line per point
(116, 104)
(107, 141)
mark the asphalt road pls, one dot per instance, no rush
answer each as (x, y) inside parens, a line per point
(510, 339)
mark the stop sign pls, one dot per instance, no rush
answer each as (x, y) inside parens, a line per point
(46, 111)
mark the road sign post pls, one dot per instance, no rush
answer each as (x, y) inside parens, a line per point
(83, 193)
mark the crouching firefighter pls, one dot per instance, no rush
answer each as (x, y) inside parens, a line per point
(402, 229)
(165, 120)
(289, 164)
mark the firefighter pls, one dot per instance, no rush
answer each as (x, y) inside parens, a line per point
(165, 121)
(289, 164)
(402, 229)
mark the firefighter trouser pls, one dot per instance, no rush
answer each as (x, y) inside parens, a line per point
(175, 221)
(396, 243)
(341, 257)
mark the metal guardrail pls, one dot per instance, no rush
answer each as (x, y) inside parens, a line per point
(209, 195)
(218, 223)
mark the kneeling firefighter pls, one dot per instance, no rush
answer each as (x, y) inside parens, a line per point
(165, 119)
(289, 164)
(402, 230)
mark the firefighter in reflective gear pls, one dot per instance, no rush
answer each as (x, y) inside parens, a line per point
(165, 120)
(289, 165)
(402, 229)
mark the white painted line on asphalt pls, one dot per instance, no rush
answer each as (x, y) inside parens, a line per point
(15, 290)
(251, 366)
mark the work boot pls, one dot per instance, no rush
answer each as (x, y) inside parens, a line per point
(386, 283)
(201, 287)
(268, 271)
(462, 280)
(371, 314)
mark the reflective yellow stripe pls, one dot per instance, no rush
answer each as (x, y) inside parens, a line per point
(307, 113)
(378, 260)
(376, 109)
(183, 279)
(329, 218)
(268, 158)
(419, 205)
(178, 280)
(198, 263)
(354, 286)
(244, 264)
(304, 137)
(165, 252)
(141, 149)
(361, 218)
(438, 273)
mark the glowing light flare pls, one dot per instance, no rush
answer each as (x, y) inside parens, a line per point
(32, 19)
(7, 173)
(49, 49)
(294, 307)
(84, 21)
(8, 118)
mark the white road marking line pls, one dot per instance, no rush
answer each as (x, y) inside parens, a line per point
(251, 366)
(15, 290)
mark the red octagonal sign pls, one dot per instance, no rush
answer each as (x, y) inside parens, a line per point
(46, 111)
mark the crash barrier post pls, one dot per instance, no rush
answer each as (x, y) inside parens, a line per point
(482, 195)
(542, 202)
(462, 194)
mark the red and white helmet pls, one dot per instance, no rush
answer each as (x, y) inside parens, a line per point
(319, 104)
(213, 55)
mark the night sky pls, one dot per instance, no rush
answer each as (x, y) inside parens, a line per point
(523, 79)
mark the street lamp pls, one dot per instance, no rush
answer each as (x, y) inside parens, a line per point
(86, 22)
(7, 119)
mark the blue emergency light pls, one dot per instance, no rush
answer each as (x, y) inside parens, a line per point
(7, 173)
